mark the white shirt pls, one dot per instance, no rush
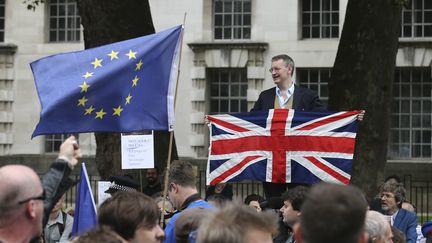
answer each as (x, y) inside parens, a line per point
(289, 93)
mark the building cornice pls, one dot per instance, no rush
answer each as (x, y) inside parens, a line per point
(6, 48)
(197, 46)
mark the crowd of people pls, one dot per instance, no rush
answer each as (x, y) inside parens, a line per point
(31, 210)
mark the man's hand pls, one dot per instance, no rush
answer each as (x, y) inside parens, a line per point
(361, 115)
(70, 151)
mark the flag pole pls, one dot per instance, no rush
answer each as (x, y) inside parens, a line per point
(171, 138)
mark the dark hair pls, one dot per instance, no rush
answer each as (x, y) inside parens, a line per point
(253, 197)
(99, 234)
(181, 172)
(393, 177)
(287, 60)
(333, 213)
(126, 211)
(295, 196)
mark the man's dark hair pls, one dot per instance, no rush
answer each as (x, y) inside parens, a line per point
(287, 60)
(295, 196)
(394, 178)
(126, 211)
(253, 197)
(333, 213)
(181, 173)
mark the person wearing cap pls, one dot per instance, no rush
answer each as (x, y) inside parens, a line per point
(183, 193)
(122, 183)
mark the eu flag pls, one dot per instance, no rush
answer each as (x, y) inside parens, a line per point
(121, 87)
(85, 208)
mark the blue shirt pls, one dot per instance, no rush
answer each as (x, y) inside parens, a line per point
(169, 229)
(289, 92)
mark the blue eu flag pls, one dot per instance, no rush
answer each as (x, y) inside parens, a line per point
(85, 209)
(121, 87)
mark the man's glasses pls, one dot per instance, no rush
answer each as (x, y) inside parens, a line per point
(277, 69)
(40, 197)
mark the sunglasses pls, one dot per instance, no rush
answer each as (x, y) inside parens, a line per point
(40, 197)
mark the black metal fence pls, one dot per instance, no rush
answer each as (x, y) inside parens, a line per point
(419, 193)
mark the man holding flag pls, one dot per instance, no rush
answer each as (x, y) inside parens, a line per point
(25, 202)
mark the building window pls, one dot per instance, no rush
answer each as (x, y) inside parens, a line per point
(64, 21)
(417, 19)
(2, 20)
(315, 79)
(228, 90)
(232, 19)
(53, 142)
(320, 19)
(410, 134)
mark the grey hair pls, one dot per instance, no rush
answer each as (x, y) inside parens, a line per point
(375, 225)
(397, 189)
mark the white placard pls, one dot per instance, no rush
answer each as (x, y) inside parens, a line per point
(137, 151)
(102, 187)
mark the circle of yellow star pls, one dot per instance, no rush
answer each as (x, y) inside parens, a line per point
(89, 110)
(135, 81)
(117, 111)
(97, 63)
(84, 87)
(138, 65)
(100, 114)
(82, 101)
(128, 99)
(87, 75)
(131, 54)
(113, 55)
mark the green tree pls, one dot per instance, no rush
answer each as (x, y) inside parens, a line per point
(362, 78)
(106, 22)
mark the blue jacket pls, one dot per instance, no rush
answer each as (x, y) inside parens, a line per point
(169, 229)
(406, 222)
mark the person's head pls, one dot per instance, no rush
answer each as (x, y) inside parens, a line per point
(21, 203)
(188, 222)
(181, 182)
(293, 200)
(168, 205)
(122, 183)
(133, 215)
(378, 228)
(58, 206)
(393, 179)
(152, 176)
(408, 206)
(237, 223)
(392, 197)
(217, 200)
(253, 201)
(282, 70)
(398, 236)
(99, 234)
(333, 213)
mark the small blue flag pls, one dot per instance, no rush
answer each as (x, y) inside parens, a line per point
(85, 208)
(121, 87)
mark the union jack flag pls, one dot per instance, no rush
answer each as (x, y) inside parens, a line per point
(282, 146)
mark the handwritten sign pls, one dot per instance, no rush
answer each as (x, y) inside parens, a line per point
(137, 151)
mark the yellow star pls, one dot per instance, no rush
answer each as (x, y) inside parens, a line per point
(128, 98)
(138, 65)
(82, 101)
(134, 81)
(89, 110)
(100, 114)
(113, 55)
(117, 111)
(131, 54)
(84, 87)
(97, 63)
(87, 75)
